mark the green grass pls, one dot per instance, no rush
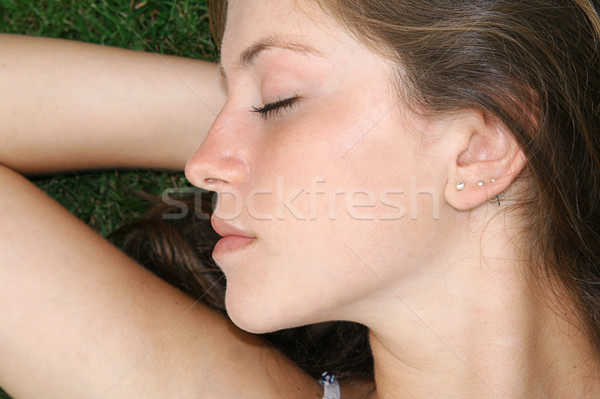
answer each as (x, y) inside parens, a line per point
(107, 199)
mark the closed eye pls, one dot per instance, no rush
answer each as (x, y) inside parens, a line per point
(273, 109)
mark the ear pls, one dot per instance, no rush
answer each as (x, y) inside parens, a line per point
(484, 162)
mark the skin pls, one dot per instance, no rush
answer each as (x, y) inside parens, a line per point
(452, 310)
(68, 105)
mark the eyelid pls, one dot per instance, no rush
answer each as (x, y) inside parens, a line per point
(269, 110)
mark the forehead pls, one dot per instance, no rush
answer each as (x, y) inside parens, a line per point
(300, 21)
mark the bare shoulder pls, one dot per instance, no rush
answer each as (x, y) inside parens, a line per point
(80, 319)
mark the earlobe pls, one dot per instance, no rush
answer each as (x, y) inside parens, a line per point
(486, 168)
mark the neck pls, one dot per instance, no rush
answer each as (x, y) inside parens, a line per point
(474, 329)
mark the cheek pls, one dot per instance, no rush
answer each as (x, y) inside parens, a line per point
(339, 180)
(339, 163)
(329, 253)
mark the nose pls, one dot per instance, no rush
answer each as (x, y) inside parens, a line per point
(223, 157)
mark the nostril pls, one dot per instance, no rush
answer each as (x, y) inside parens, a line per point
(212, 180)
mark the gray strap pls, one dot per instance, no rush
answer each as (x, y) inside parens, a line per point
(331, 386)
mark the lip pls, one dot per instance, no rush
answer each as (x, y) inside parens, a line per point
(233, 238)
(225, 229)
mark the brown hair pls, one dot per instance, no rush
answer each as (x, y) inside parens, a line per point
(534, 65)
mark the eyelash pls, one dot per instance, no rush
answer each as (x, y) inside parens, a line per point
(273, 109)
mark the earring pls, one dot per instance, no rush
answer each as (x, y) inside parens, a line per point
(480, 183)
(497, 198)
(460, 186)
(493, 180)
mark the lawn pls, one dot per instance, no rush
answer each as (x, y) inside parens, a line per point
(106, 200)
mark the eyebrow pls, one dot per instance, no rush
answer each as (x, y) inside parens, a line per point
(247, 57)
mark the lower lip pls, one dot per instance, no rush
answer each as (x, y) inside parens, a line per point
(231, 243)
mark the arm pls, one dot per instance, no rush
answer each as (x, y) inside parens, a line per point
(79, 319)
(69, 105)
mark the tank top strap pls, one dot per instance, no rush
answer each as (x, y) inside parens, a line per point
(330, 385)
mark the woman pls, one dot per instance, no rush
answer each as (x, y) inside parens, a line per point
(427, 169)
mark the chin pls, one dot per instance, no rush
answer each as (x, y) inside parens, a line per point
(257, 314)
(245, 315)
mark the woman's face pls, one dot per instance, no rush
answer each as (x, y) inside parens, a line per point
(337, 186)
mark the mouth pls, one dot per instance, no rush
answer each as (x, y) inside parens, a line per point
(233, 237)
(231, 243)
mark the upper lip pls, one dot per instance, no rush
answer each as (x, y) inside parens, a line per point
(224, 229)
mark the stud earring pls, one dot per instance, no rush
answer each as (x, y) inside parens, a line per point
(460, 186)
(480, 183)
(493, 180)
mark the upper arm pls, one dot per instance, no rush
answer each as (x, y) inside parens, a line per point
(80, 319)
